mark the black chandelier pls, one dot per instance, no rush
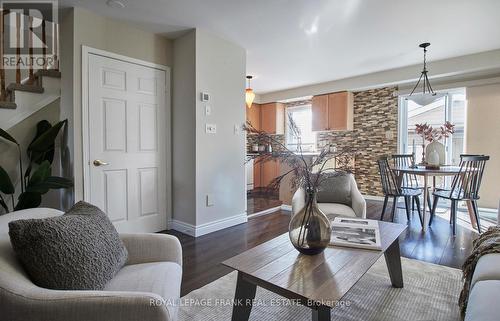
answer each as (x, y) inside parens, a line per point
(428, 95)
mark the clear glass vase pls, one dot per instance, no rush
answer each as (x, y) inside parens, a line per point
(309, 228)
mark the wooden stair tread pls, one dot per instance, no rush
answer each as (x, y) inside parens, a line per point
(33, 86)
(24, 87)
(7, 105)
(48, 73)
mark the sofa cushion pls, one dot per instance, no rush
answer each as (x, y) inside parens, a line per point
(487, 268)
(335, 188)
(79, 250)
(483, 302)
(162, 278)
(333, 210)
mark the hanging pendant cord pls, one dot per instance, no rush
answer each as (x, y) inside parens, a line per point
(426, 83)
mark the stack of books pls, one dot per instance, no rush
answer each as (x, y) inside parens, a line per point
(355, 232)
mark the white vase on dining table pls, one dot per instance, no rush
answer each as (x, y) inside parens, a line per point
(435, 153)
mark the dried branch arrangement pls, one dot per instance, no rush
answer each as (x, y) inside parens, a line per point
(430, 134)
(306, 172)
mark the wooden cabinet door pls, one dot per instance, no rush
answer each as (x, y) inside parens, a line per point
(340, 111)
(319, 110)
(272, 118)
(268, 118)
(257, 174)
(269, 172)
(280, 119)
(253, 115)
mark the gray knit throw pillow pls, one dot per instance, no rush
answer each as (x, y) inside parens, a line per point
(335, 188)
(79, 250)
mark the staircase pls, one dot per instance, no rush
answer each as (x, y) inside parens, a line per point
(22, 97)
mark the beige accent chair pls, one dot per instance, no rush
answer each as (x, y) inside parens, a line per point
(355, 208)
(146, 288)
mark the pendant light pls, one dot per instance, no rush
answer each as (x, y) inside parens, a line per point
(249, 94)
(428, 95)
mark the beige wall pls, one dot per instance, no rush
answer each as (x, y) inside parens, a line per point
(208, 164)
(84, 28)
(483, 137)
(183, 129)
(220, 158)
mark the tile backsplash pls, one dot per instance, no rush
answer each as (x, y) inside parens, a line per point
(255, 139)
(374, 135)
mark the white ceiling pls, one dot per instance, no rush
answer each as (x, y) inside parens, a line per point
(291, 43)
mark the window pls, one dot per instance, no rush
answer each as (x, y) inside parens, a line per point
(450, 107)
(302, 116)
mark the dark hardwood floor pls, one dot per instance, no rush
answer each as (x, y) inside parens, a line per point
(203, 255)
(256, 203)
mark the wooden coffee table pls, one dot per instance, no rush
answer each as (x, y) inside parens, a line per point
(318, 281)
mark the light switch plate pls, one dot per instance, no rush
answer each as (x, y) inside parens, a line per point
(208, 110)
(236, 129)
(205, 96)
(210, 128)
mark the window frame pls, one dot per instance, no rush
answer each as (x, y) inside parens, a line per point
(288, 111)
(403, 143)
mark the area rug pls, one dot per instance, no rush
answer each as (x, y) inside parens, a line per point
(430, 293)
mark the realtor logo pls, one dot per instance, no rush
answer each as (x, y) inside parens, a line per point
(29, 34)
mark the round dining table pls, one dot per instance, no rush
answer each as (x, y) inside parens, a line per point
(425, 173)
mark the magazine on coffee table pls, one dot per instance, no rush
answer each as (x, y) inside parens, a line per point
(355, 232)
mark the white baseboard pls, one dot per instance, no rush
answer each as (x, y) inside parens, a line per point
(265, 212)
(202, 229)
(488, 210)
(183, 227)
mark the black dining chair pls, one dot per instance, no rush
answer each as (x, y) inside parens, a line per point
(392, 188)
(409, 180)
(464, 187)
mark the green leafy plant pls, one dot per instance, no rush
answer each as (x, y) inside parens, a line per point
(37, 180)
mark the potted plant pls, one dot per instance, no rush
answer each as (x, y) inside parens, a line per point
(309, 228)
(37, 179)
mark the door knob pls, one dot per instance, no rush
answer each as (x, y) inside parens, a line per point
(99, 162)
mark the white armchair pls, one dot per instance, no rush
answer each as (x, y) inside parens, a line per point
(354, 204)
(146, 288)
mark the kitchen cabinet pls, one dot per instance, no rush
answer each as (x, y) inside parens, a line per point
(265, 172)
(257, 182)
(319, 109)
(253, 115)
(269, 171)
(333, 112)
(272, 118)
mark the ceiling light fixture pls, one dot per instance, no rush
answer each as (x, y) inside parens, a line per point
(428, 95)
(249, 94)
(115, 4)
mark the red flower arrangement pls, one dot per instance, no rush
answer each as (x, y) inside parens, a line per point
(430, 134)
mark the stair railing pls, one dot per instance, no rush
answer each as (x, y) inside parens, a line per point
(2, 70)
(20, 23)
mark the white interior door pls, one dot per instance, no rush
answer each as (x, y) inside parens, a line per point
(126, 143)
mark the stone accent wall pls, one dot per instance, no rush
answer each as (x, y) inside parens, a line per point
(375, 114)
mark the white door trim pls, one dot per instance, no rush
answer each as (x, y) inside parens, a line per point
(86, 51)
